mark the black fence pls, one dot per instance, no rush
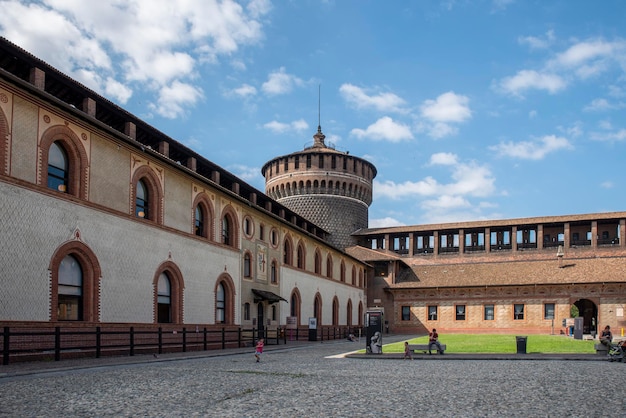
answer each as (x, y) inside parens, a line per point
(64, 342)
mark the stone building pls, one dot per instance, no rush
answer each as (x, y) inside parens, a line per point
(106, 220)
(504, 276)
(331, 188)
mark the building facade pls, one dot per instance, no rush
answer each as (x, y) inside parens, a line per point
(106, 220)
(505, 276)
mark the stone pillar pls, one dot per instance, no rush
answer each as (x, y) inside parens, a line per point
(89, 106)
(594, 234)
(130, 130)
(38, 78)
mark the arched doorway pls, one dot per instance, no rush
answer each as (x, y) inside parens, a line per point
(588, 310)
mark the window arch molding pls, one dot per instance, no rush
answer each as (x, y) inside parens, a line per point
(155, 194)
(203, 201)
(288, 251)
(177, 286)
(301, 256)
(229, 298)
(4, 144)
(317, 308)
(295, 304)
(349, 313)
(78, 161)
(91, 278)
(230, 216)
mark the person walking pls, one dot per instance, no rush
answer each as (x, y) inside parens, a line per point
(259, 350)
(408, 354)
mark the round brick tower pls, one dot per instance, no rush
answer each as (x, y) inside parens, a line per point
(330, 188)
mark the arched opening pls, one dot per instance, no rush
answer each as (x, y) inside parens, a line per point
(588, 310)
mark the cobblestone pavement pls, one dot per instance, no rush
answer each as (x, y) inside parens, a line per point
(314, 379)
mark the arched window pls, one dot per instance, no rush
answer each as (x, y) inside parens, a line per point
(220, 304)
(287, 252)
(317, 309)
(142, 201)
(168, 294)
(329, 266)
(246, 311)
(226, 230)
(294, 306)
(353, 276)
(360, 313)
(63, 165)
(335, 311)
(75, 283)
(274, 272)
(301, 257)
(247, 265)
(342, 272)
(361, 278)
(349, 313)
(147, 195)
(58, 168)
(199, 222)
(70, 290)
(224, 300)
(164, 299)
(318, 262)
(202, 216)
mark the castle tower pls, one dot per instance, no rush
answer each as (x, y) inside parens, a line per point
(330, 188)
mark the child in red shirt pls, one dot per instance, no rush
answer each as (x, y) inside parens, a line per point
(259, 350)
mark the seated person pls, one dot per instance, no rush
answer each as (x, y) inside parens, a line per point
(433, 339)
(606, 336)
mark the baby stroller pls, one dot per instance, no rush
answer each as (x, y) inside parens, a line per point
(617, 352)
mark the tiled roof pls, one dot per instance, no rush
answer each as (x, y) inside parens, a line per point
(366, 254)
(492, 223)
(576, 271)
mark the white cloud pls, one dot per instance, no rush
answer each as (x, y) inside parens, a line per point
(133, 45)
(529, 79)
(384, 223)
(245, 172)
(443, 158)
(173, 99)
(616, 136)
(468, 179)
(439, 114)
(607, 185)
(537, 42)
(280, 82)
(384, 129)
(448, 107)
(532, 150)
(384, 102)
(582, 52)
(600, 105)
(280, 127)
(243, 91)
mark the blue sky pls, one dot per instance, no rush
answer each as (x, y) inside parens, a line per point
(470, 110)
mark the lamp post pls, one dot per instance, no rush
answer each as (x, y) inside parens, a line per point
(559, 255)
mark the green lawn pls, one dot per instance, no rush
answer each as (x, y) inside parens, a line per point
(496, 343)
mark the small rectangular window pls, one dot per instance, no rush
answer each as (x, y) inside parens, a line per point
(432, 313)
(460, 312)
(548, 311)
(308, 161)
(261, 233)
(406, 313)
(286, 165)
(489, 313)
(518, 311)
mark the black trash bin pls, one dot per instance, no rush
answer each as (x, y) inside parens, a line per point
(521, 344)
